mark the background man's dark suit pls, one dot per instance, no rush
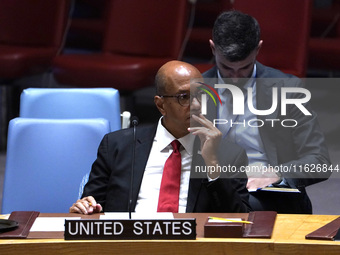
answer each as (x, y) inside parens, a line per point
(298, 146)
(109, 181)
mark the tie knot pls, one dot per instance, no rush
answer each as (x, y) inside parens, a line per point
(175, 145)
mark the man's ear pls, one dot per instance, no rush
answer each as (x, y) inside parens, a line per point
(212, 46)
(159, 102)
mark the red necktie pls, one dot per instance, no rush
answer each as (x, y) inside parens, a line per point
(169, 191)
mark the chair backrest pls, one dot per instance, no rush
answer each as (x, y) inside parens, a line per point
(208, 10)
(146, 27)
(45, 161)
(87, 23)
(34, 22)
(72, 103)
(285, 30)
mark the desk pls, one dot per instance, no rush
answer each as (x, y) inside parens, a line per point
(288, 238)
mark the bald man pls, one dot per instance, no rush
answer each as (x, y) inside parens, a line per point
(109, 182)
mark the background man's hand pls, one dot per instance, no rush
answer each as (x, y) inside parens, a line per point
(256, 183)
(260, 178)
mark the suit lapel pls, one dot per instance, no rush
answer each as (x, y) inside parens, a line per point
(144, 140)
(194, 183)
(264, 100)
(264, 96)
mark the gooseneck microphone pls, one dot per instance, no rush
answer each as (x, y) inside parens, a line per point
(134, 123)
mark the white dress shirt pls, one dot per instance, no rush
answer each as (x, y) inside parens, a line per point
(147, 200)
(247, 137)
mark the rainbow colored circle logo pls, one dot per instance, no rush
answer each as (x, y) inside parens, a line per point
(209, 93)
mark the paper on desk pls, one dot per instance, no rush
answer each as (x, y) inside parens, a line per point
(224, 220)
(50, 224)
(277, 189)
(137, 216)
(4, 216)
(57, 224)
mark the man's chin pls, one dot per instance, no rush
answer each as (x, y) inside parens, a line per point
(239, 83)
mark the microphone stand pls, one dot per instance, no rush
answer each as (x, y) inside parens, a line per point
(134, 123)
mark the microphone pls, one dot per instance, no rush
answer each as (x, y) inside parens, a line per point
(134, 123)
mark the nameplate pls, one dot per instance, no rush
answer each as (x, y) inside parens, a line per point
(172, 229)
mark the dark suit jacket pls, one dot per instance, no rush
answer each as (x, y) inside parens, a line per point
(302, 145)
(109, 181)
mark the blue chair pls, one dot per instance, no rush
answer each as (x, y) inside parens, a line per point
(46, 159)
(72, 103)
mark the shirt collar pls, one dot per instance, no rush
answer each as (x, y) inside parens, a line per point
(163, 138)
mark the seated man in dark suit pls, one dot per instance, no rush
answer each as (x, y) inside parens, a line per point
(270, 145)
(108, 187)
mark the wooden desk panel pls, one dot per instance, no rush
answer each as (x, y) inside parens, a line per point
(288, 238)
(290, 231)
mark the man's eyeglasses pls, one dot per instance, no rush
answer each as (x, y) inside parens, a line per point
(185, 99)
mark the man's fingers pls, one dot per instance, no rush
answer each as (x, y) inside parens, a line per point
(98, 208)
(87, 205)
(79, 207)
(202, 120)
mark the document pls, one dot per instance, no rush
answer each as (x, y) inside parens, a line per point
(279, 189)
(137, 216)
(50, 224)
(276, 189)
